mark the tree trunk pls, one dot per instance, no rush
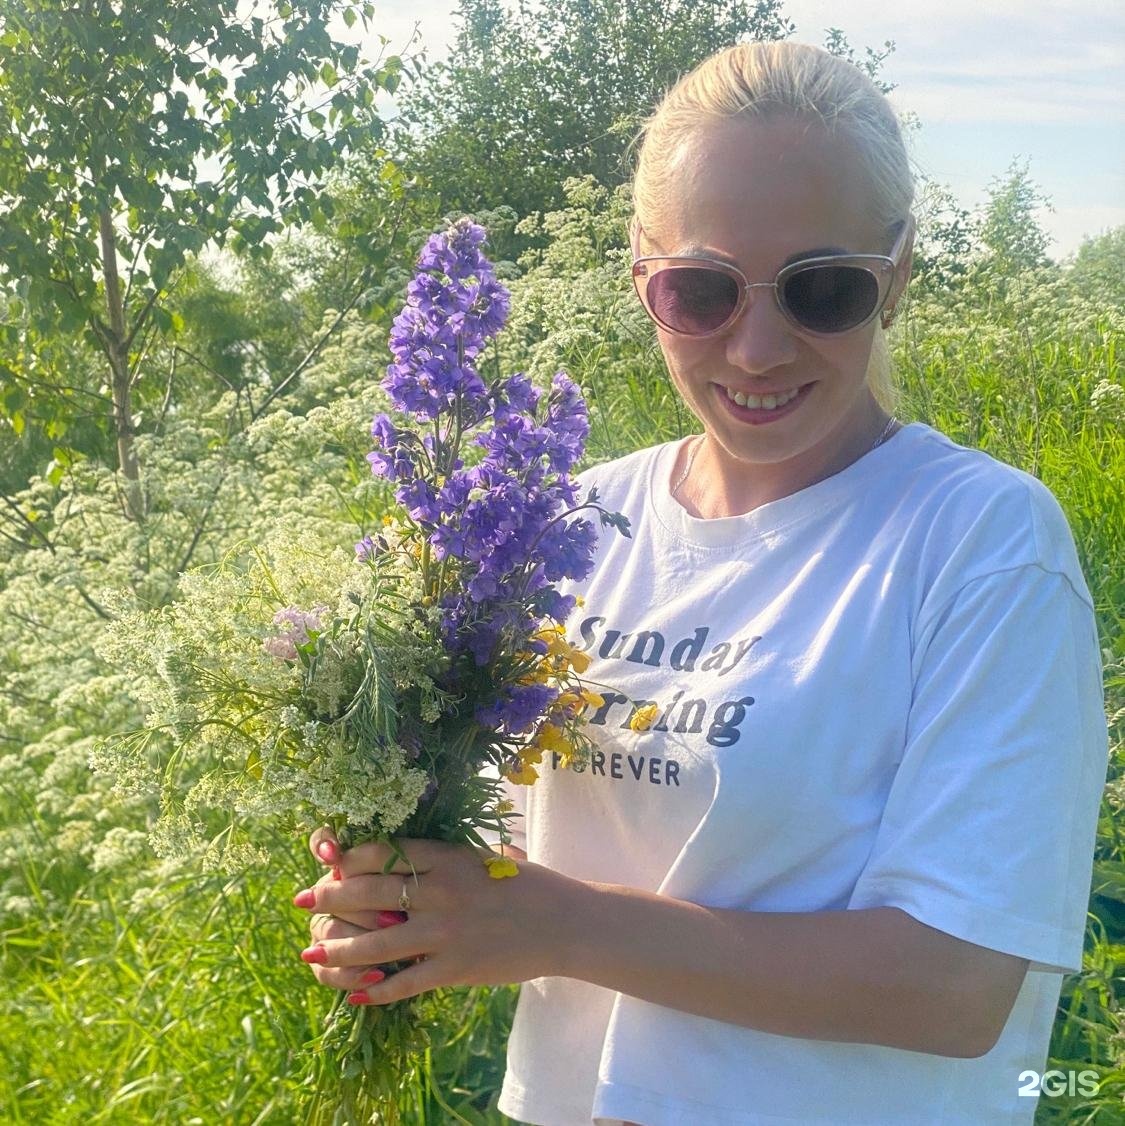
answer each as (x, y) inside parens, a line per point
(116, 352)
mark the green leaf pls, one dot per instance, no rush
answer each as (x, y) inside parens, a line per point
(66, 457)
(1109, 879)
(15, 400)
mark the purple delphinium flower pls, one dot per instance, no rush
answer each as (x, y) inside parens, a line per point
(567, 422)
(522, 707)
(390, 457)
(502, 520)
(453, 305)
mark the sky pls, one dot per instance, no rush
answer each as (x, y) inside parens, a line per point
(989, 82)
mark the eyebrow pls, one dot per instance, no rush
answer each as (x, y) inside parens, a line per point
(694, 249)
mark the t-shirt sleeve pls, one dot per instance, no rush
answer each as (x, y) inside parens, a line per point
(989, 825)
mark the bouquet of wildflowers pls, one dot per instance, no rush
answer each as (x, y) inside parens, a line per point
(386, 691)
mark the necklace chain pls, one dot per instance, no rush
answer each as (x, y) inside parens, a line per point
(884, 434)
(687, 468)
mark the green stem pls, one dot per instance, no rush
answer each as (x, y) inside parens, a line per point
(426, 568)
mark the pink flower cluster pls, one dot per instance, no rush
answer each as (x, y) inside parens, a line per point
(295, 625)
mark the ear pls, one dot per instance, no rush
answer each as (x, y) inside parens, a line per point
(905, 265)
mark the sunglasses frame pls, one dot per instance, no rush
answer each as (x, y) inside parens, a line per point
(882, 268)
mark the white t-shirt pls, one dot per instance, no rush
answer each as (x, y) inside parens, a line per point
(884, 689)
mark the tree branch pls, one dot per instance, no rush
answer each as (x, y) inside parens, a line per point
(315, 350)
(182, 566)
(140, 320)
(24, 521)
(167, 391)
(204, 365)
(99, 610)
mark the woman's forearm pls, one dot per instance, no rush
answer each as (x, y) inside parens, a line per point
(874, 976)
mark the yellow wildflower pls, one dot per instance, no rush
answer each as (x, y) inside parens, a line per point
(564, 654)
(531, 753)
(504, 806)
(501, 866)
(538, 675)
(551, 738)
(525, 776)
(571, 702)
(643, 718)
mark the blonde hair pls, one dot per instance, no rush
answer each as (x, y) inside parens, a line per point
(760, 80)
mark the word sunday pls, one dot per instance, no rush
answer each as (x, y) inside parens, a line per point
(649, 645)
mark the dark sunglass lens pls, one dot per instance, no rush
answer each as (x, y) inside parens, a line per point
(692, 300)
(831, 298)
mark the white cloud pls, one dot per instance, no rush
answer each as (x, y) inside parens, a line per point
(1004, 61)
(1068, 226)
(1015, 100)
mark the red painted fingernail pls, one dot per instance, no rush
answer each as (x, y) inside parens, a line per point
(336, 873)
(372, 977)
(306, 898)
(358, 998)
(328, 852)
(315, 955)
(390, 918)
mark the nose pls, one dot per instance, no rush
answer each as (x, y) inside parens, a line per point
(761, 339)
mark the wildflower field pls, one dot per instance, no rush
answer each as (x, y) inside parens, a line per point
(144, 990)
(140, 988)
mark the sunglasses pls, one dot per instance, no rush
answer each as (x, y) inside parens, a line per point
(693, 295)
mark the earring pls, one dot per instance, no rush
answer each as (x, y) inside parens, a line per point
(887, 316)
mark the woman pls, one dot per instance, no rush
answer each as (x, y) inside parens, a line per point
(839, 876)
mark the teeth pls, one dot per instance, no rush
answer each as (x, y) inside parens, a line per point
(762, 402)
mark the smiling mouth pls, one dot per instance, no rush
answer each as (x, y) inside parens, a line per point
(762, 402)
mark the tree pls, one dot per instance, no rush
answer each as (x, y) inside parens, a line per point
(1009, 231)
(533, 97)
(1095, 271)
(945, 241)
(131, 137)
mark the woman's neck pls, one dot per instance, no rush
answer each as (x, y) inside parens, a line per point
(717, 484)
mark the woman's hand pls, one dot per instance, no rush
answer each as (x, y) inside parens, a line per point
(462, 926)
